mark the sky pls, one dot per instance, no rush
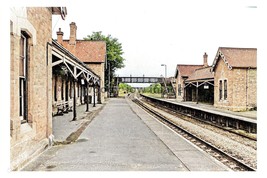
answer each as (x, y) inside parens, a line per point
(166, 32)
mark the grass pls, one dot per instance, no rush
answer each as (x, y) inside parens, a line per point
(156, 95)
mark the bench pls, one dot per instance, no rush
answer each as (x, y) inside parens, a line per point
(60, 107)
(63, 107)
(70, 105)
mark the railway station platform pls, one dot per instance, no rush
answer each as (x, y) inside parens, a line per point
(123, 137)
(247, 114)
(63, 126)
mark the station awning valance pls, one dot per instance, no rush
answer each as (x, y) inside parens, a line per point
(72, 63)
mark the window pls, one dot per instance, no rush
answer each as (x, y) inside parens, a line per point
(225, 89)
(23, 77)
(220, 90)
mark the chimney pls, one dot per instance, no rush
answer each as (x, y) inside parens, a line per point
(73, 29)
(60, 36)
(205, 60)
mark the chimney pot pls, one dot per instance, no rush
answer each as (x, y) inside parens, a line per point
(73, 29)
(60, 36)
(205, 60)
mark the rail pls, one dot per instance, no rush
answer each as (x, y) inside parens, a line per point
(219, 154)
(211, 116)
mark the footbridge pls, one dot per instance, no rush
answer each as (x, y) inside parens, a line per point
(139, 80)
(165, 82)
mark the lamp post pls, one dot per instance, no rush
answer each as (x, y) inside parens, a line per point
(165, 70)
(165, 78)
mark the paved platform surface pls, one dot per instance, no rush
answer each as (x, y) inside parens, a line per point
(63, 125)
(247, 114)
(122, 137)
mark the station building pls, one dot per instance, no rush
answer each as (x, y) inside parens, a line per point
(230, 83)
(91, 53)
(72, 82)
(44, 77)
(199, 87)
(235, 78)
(30, 85)
(182, 72)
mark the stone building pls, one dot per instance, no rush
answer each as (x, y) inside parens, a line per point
(199, 87)
(182, 72)
(31, 84)
(73, 83)
(235, 78)
(91, 53)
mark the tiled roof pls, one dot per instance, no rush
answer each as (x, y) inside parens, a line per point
(186, 70)
(58, 46)
(89, 51)
(201, 74)
(237, 57)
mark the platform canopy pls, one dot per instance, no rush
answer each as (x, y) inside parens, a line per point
(61, 56)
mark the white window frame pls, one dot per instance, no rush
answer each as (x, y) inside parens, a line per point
(22, 83)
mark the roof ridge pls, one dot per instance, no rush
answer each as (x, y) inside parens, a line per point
(203, 68)
(190, 64)
(237, 48)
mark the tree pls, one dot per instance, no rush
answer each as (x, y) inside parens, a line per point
(125, 87)
(153, 88)
(114, 55)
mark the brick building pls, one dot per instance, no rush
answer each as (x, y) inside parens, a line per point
(30, 85)
(91, 53)
(235, 78)
(199, 87)
(182, 72)
(230, 83)
(73, 82)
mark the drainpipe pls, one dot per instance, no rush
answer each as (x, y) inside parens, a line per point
(47, 93)
(197, 93)
(247, 72)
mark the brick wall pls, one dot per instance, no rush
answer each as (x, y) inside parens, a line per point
(179, 81)
(99, 69)
(252, 88)
(29, 139)
(241, 88)
(245, 89)
(223, 73)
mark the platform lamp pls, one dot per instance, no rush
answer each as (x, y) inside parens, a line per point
(165, 76)
(165, 70)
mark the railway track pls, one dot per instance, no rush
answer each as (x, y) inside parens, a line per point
(233, 123)
(231, 161)
(184, 116)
